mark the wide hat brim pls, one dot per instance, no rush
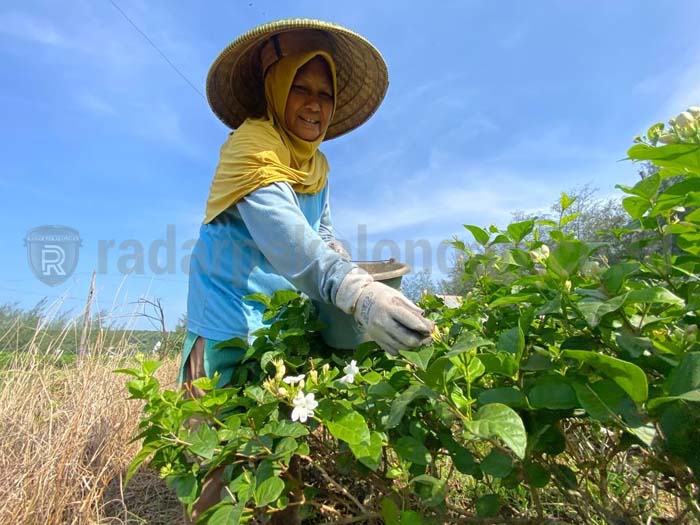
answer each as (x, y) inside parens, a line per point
(235, 85)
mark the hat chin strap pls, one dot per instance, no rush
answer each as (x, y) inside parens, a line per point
(292, 42)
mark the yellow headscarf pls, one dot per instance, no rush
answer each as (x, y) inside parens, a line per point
(262, 151)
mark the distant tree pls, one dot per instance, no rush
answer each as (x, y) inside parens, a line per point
(585, 218)
(414, 285)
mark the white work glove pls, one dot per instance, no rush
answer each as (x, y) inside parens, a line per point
(383, 313)
(338, 247)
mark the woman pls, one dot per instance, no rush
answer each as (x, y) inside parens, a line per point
(285, 87)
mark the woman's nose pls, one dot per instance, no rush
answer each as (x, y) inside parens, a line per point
(313, 102)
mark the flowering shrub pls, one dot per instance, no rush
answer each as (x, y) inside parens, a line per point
(559, 379)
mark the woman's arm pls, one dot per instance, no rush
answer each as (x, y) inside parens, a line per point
(327, 232)
(286, 239)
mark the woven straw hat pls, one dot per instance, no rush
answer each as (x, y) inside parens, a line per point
(235, 85)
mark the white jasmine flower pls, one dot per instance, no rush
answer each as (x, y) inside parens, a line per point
(694, 110)
(157, 346)
(304, 406)
(668, 138)
(280, 369)
(351, 371)
(684, 118)
(293, 380)
(540, 254)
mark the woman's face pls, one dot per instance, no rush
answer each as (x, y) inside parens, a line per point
(310, 101)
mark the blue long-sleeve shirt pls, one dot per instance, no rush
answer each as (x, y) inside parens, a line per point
(273, 239)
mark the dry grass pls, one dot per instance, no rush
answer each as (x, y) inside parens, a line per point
(64, 437)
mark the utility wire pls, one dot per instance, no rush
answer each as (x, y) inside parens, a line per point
(144, 35)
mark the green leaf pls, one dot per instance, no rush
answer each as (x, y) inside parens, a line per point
(268, 491)
(369, 454)
(636, 206)
(615, 276)
(371, 377)
(480, 235)
(593, 310)
(634, 346)
(475, 369)
(282, 297)
(503, 363)
(498, 420)
(601, 400)
(389, 510)
(227, 514)
(500, 239)
(552, 392)
(653, 294)
(645, 433)
(205, 383)
(567, 257)
(128, 371)
(497, 464)
(285, 428)
(689, 243)
(679, 194)
(519, 230)
(568, 218)
(141, 456)
(468, 341)
(628, 376)
(565, 201)
(149, 367)
(243, 486)
(647, 187)
(420, 358)
(350, 427)
(670, 155)
(686, 376)
(203, 441)
(398, 407)
(565, 476)
(431, 490)
(285, 448)
(512, 341)
(258, 298)
(236, 342)
(536, 475)
(410, 449)
(410, 517)
(513, 299)
(488, 505)
(693, 396)
(507, 395)
(464, 461)
(185, 487)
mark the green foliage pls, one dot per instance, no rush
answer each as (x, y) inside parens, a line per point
(557, 343)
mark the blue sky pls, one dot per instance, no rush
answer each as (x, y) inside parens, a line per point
(492, 107)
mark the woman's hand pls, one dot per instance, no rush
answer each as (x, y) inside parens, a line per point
(386, 315)
(390, 319)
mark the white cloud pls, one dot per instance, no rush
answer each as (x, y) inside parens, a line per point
(31, 28)
(677, 87)
(95, 104)
(446, 196)
(161, 123)
(685, 90)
